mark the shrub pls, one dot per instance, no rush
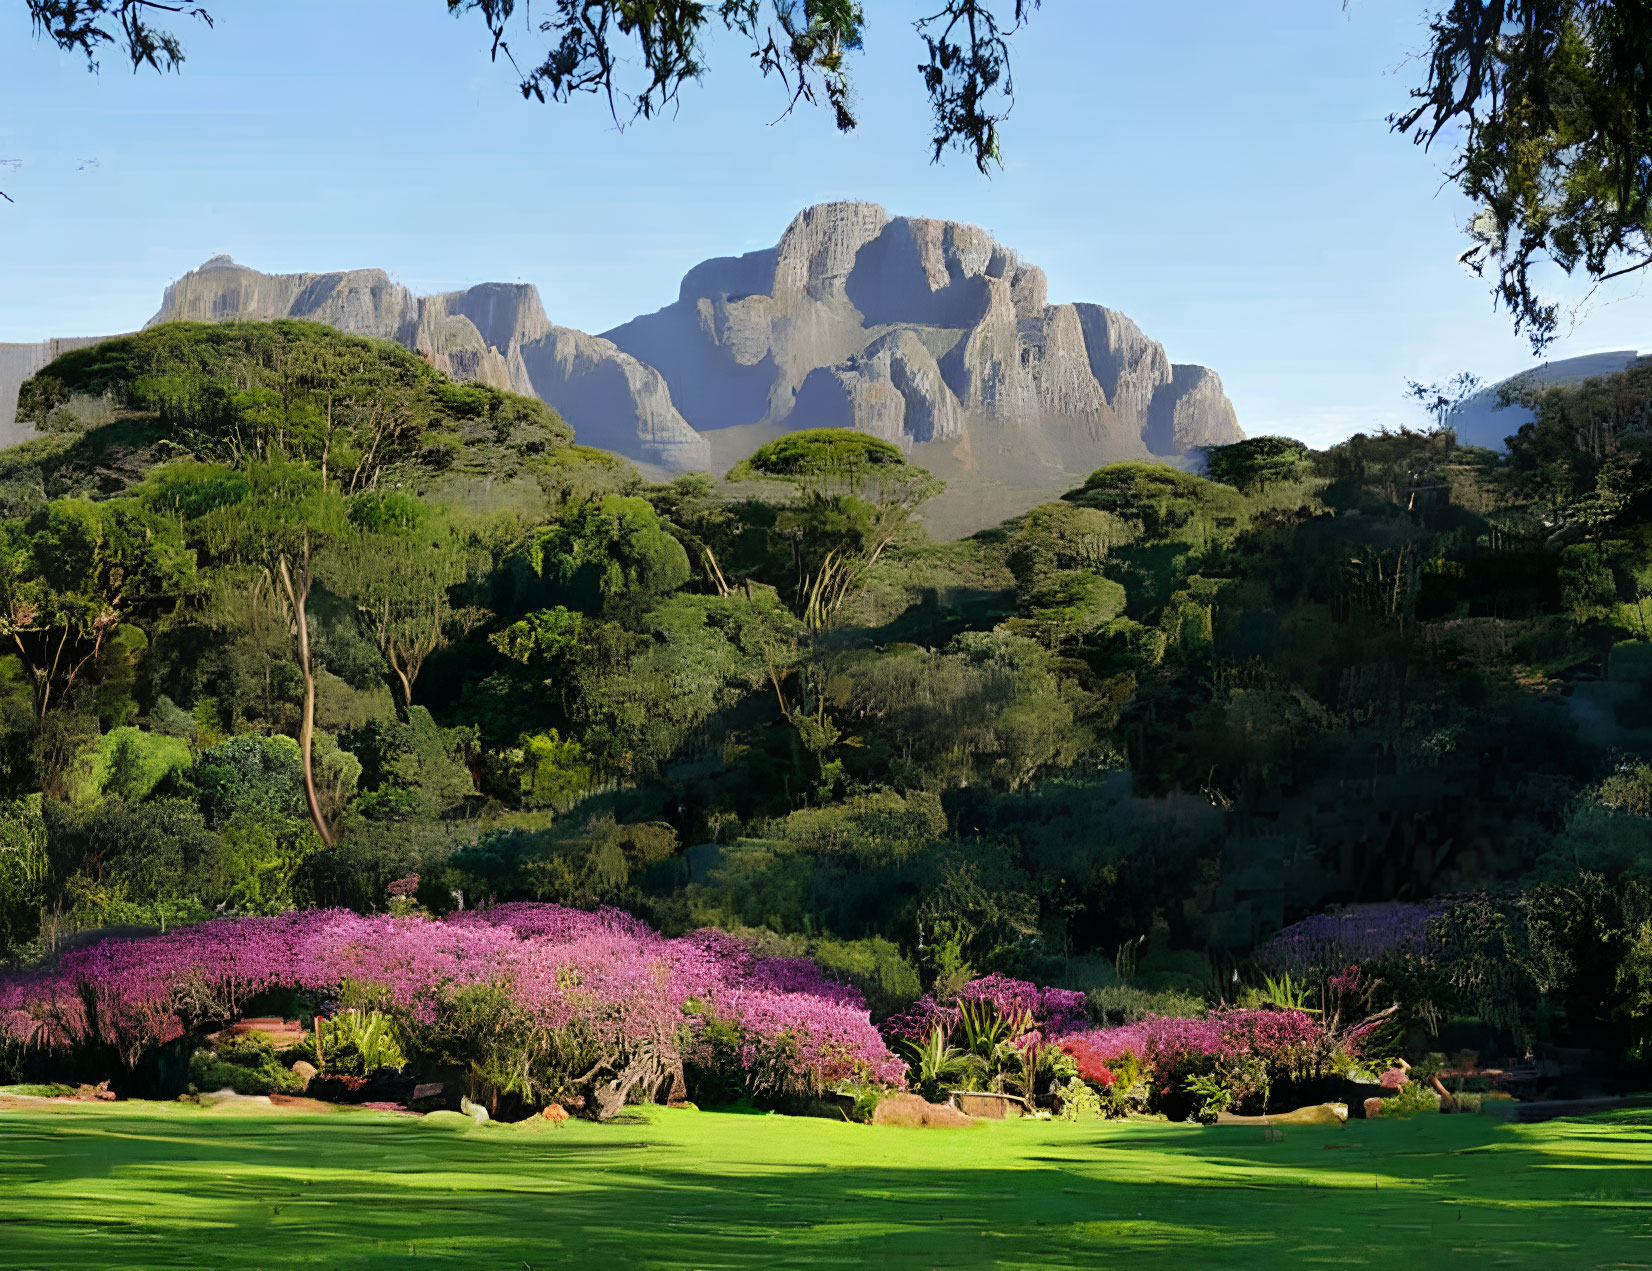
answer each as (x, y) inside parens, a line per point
(1078, 1101)
(1125, 1004)
(1241, 1052)
(247, 1064)
(354, 1042)
(540, 998)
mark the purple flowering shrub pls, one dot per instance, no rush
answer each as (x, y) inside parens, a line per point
(1328, 943)
(601, 984)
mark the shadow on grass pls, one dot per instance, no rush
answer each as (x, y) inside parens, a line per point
(703, 1190)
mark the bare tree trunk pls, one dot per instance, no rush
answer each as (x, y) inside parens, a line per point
(403, 677)
(298, 595)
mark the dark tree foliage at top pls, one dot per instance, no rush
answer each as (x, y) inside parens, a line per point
(968, 75)
(85, 26)
(588, 43)
(1553, 102)
(803, 43)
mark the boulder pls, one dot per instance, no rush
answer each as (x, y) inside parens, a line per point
(306, 1072)
(1317, 1114)
(913, 1111)
(227, 1098)
(1373, 1107)
(429, 1096)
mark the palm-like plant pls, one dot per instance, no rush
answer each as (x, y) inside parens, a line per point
(1286, 992)
(937, 1062)
(985, 1028)
(990, 1036)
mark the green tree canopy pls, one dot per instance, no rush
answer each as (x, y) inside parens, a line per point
(75, 572)
(355, 409)
(1166, 502)
(1256, 463)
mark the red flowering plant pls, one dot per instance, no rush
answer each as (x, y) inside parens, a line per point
(1228, 1057)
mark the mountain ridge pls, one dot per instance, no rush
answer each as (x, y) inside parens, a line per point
(928, 333)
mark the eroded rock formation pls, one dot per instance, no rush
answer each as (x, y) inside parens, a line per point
(911, 329)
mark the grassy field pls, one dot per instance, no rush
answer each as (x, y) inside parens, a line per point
(160, 1186)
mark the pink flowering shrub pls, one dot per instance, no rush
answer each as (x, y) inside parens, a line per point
(603, 978)
(1052, 1012)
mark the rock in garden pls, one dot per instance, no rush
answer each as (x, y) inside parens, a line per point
(305, 1071)
(1373, 1107)
(227, 1098)
(913, 1111)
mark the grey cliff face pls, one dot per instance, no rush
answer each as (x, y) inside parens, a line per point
(1129, 367)
(1190, 411)
(839, 324)
(894, 390)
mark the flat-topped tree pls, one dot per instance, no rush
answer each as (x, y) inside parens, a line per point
(856, 494)
(360, 411)
(1168, 504)
(1255, 463)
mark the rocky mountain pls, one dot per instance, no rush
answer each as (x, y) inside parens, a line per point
(927, 333)
(914, 329)
(1483, 421)
(496, 333)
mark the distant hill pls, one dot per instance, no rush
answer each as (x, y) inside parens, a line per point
(1482, 421)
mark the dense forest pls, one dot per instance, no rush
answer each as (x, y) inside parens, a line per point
(293, 621)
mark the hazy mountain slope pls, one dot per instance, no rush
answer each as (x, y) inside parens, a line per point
(1481, 421)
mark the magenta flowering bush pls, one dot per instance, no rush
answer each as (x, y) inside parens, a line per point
(1051, 1012)
(603, 977)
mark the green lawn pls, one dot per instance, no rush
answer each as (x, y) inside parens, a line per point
(154, 1186)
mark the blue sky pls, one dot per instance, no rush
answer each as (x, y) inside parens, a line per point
(1220, 172)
